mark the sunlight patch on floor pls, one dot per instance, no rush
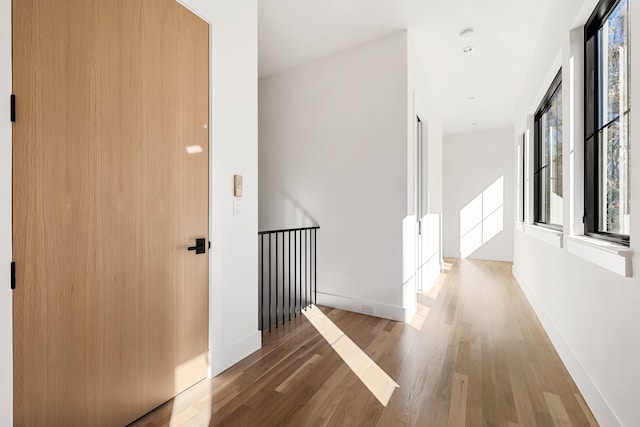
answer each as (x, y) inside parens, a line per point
(192, 411)
(434, 292)
(422, 312)
(192, 407)
(184, 417)
(372, 376)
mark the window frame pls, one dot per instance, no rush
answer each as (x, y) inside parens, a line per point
(592, 127)
(522, 179)
(545, 105)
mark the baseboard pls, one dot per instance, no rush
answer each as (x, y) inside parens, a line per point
(226, 357)
(355, 305)
(598, 404)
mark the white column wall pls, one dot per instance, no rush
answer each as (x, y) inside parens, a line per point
(473, 162)
(425, 263)
(332, 152)
(233, 275)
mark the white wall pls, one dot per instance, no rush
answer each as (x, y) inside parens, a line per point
(590, 313)
(472, 163)
(6, 331)
(422, 254)
(333, 152)
(233, 302)
(422, 84)
(233, 286)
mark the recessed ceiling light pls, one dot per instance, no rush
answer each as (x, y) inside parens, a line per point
(474, 124)
(467, 49)
(466, 33)
(471, 98)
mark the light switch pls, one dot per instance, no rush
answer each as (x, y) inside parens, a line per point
(237, 185)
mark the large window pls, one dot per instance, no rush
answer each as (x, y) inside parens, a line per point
(607, 108)
(522, 180)
(548, 202)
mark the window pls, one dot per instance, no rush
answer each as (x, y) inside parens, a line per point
(548, 203)
(521, 179)
(607, 109)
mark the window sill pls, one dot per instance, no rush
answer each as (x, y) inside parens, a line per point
(552, 237)
(613, 257)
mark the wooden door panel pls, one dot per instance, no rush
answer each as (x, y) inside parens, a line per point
(110, 313)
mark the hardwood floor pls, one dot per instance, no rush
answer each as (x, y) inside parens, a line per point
(475, 355)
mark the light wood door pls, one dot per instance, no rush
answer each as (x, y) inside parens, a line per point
(110, 157)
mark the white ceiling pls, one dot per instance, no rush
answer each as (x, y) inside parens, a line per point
(296, 32)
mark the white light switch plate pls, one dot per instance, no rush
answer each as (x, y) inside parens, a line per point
(237, 185)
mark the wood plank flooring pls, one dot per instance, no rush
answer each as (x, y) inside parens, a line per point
(476, 356)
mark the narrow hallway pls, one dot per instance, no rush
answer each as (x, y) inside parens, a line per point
(474, 355)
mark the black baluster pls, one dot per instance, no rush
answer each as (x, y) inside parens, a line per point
(309, 267)
(306, 267)
(276, 319)
(289, 276)
(262, 284)
(300, 274)
(283, 276)
(269, 282)
(315, 266)
(295, 273)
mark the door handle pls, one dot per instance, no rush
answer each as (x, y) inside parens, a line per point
(200, 246)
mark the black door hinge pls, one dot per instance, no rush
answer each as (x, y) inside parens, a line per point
(13, 108)
(13, 275)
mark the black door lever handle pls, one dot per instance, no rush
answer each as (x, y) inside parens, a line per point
(200, 246)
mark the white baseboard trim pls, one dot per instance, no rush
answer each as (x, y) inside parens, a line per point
(224, 358)
(596, 401)
(355, 305)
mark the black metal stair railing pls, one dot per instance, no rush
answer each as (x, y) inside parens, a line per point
(287, 273)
